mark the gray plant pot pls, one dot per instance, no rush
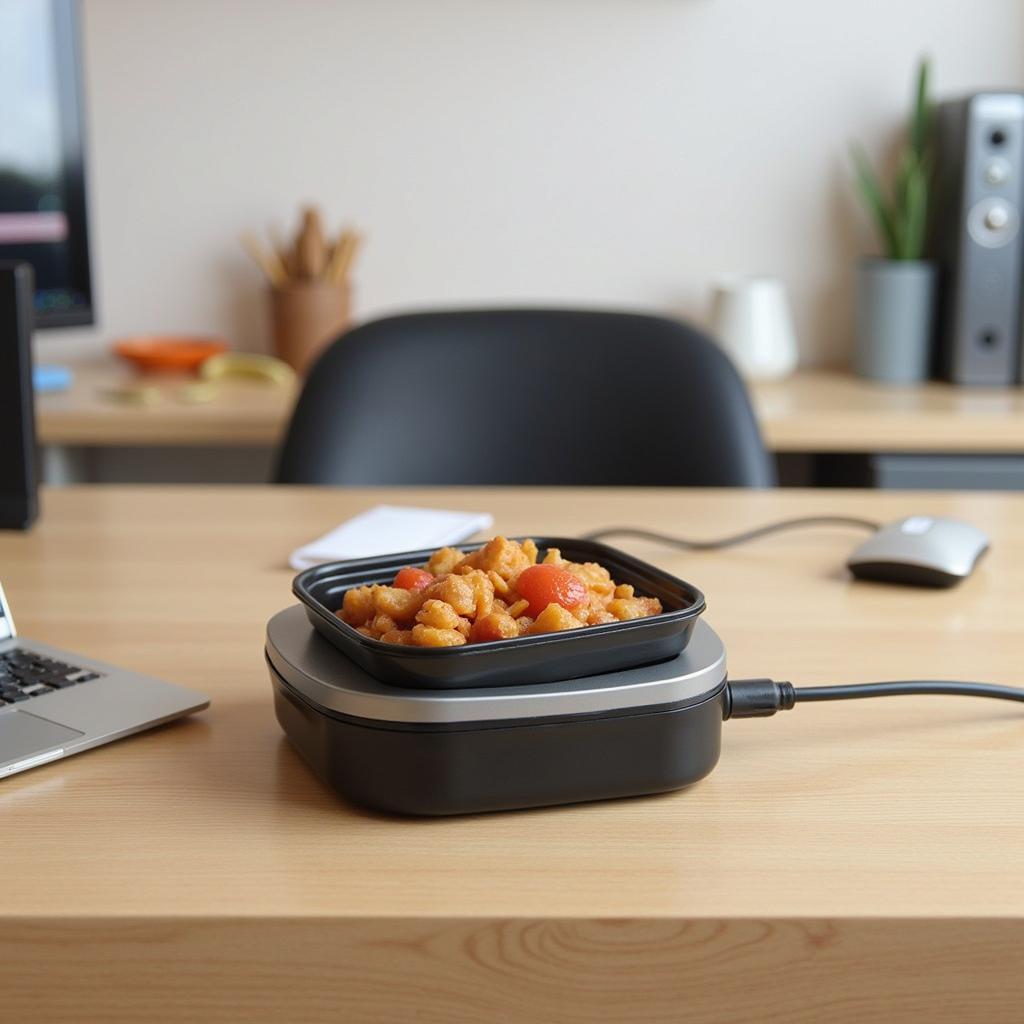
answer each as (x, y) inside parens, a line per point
(895, 319)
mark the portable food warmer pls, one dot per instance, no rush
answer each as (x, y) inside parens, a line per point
(618, 709)
(648, 729)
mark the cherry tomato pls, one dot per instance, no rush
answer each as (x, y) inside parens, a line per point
(542, 585)
(411, 578)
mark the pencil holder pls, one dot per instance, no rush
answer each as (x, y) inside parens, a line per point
(306, 317)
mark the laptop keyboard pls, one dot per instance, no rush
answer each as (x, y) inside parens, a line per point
(25, 674)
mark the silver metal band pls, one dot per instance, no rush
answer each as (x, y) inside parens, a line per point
(327, 678)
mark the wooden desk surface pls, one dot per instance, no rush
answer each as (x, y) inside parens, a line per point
(813, 411)
(242, 413)
(822, 411)
(845, 862)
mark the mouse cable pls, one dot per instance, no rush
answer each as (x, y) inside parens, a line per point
(758, 698)
(734, 539)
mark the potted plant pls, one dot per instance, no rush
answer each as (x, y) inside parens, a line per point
(896, 293)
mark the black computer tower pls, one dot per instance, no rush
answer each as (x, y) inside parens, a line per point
(18, 480)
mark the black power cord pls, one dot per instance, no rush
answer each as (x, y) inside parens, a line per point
(716, 543)
(758, 698)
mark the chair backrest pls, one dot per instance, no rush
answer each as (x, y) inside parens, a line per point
(524, 397)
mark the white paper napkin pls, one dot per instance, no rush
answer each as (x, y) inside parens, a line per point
(387, 528)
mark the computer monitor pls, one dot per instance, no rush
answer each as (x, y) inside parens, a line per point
(42, 174)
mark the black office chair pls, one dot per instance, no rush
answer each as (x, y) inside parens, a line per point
(524, 397)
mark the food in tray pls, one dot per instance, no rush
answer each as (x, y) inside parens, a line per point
(499, 592)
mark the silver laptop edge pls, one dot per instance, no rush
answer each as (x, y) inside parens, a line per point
(7, 627)
(63, 722)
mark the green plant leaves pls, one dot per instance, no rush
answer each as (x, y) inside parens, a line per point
(921, 122)
(874, 199)
(902, 217)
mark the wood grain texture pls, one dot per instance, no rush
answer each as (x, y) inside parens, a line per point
(243, 412)
(512, 971)
(208, 848)
(822, 411)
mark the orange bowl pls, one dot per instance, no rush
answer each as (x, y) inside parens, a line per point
(168, 353)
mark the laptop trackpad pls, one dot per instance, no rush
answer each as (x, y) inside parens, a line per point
(22, 734)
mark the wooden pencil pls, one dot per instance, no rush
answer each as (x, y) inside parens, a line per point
(267, 260)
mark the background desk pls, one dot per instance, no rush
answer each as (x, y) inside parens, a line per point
(85, 435)
(845, 862)
(814, 413)
(833, 428)
(822, 411)
(243, 413)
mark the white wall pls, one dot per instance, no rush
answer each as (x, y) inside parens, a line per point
(608, 152)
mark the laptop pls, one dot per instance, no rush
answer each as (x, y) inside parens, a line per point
(54, 704)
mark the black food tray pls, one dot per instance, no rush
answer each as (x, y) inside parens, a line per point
(545, 658)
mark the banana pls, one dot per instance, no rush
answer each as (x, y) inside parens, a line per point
(134, 394)
(248, 365)
(198, 392)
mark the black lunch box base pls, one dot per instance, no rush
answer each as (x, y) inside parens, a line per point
(427, 770)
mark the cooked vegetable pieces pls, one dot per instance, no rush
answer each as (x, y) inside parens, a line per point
(498, 592)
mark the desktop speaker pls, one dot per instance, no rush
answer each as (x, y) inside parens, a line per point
(18, 500)
(975, 236)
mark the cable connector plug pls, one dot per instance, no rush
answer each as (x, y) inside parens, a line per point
(757, 698)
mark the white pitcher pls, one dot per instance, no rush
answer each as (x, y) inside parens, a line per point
(750, 318)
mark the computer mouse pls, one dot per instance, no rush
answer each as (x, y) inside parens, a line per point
(922, 551)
